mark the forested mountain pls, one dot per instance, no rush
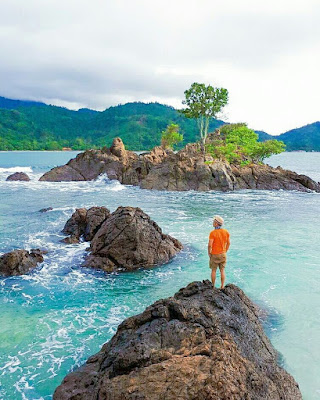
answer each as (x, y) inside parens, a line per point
(51, 128)
(305, 138)
(36, 126)
(11, 104)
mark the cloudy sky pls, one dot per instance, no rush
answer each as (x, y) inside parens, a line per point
(98, 53)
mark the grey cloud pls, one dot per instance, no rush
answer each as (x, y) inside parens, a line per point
(94, 53)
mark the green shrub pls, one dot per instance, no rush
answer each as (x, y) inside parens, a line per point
(238, 144)
(171, 136)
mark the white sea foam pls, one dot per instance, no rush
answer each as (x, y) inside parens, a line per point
(16, 169)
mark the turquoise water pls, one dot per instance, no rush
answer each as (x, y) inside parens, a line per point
(54, 318)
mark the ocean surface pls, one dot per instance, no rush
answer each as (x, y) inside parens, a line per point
(54, 318)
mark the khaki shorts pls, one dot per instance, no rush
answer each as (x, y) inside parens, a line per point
(218, 260)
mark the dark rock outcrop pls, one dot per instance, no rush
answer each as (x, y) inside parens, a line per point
(18, 176)
(43, 210)
(201, 344)
(127, 240)
(186, 170)
(20, 262)
(84, 223)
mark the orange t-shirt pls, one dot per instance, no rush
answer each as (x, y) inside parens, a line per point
(220, 239)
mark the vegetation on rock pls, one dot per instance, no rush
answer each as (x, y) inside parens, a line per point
(171, 136)
(238, 144)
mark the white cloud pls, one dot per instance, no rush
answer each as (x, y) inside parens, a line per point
(97, 53)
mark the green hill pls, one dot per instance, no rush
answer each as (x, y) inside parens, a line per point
(28, 125)
(305, 138)
(51, 128)
(12, 104)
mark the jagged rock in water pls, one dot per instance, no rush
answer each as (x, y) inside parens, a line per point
(44, 210)
(84, 223)
(187, 169)
(20, 262)
(127, 240)
(18, 176)
(92, 163)
(200, 344)
(70, 240)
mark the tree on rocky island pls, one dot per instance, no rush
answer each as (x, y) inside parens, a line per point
(239, 145)
(171, 136)
(203, 103)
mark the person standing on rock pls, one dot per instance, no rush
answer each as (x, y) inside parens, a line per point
(219, 243)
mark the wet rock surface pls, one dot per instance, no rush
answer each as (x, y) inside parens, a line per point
(84, 223)
(125, 240)
(18, 176)
(202, 343)
(20, 262)
(129, 240)
(187, 169)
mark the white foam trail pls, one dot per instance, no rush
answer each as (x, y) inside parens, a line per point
(16, 169)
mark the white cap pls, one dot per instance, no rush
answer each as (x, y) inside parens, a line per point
(219, 219)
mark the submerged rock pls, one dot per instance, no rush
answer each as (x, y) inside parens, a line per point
(43, 210)
(200, 344)
(187, 169)
(20, 262)
(18, 176)
(127, 240)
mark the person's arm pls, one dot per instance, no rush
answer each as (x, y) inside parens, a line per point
(210, 246)
(228, 243)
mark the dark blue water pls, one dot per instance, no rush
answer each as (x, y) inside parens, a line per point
(54, 318)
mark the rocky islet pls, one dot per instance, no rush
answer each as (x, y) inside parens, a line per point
(187, 169)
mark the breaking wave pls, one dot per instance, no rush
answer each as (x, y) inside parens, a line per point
(16, 169)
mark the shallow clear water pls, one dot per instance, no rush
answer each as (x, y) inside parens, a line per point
(54, 318)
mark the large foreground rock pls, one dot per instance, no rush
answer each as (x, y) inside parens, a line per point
(201, 344)
(18, 176)
(20, 262)
(186, 170)
(125, 240)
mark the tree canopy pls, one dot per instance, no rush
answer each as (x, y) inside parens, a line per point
(204, 103)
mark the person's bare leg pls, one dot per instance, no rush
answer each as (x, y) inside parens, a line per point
(213, 276)
(223, 277)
